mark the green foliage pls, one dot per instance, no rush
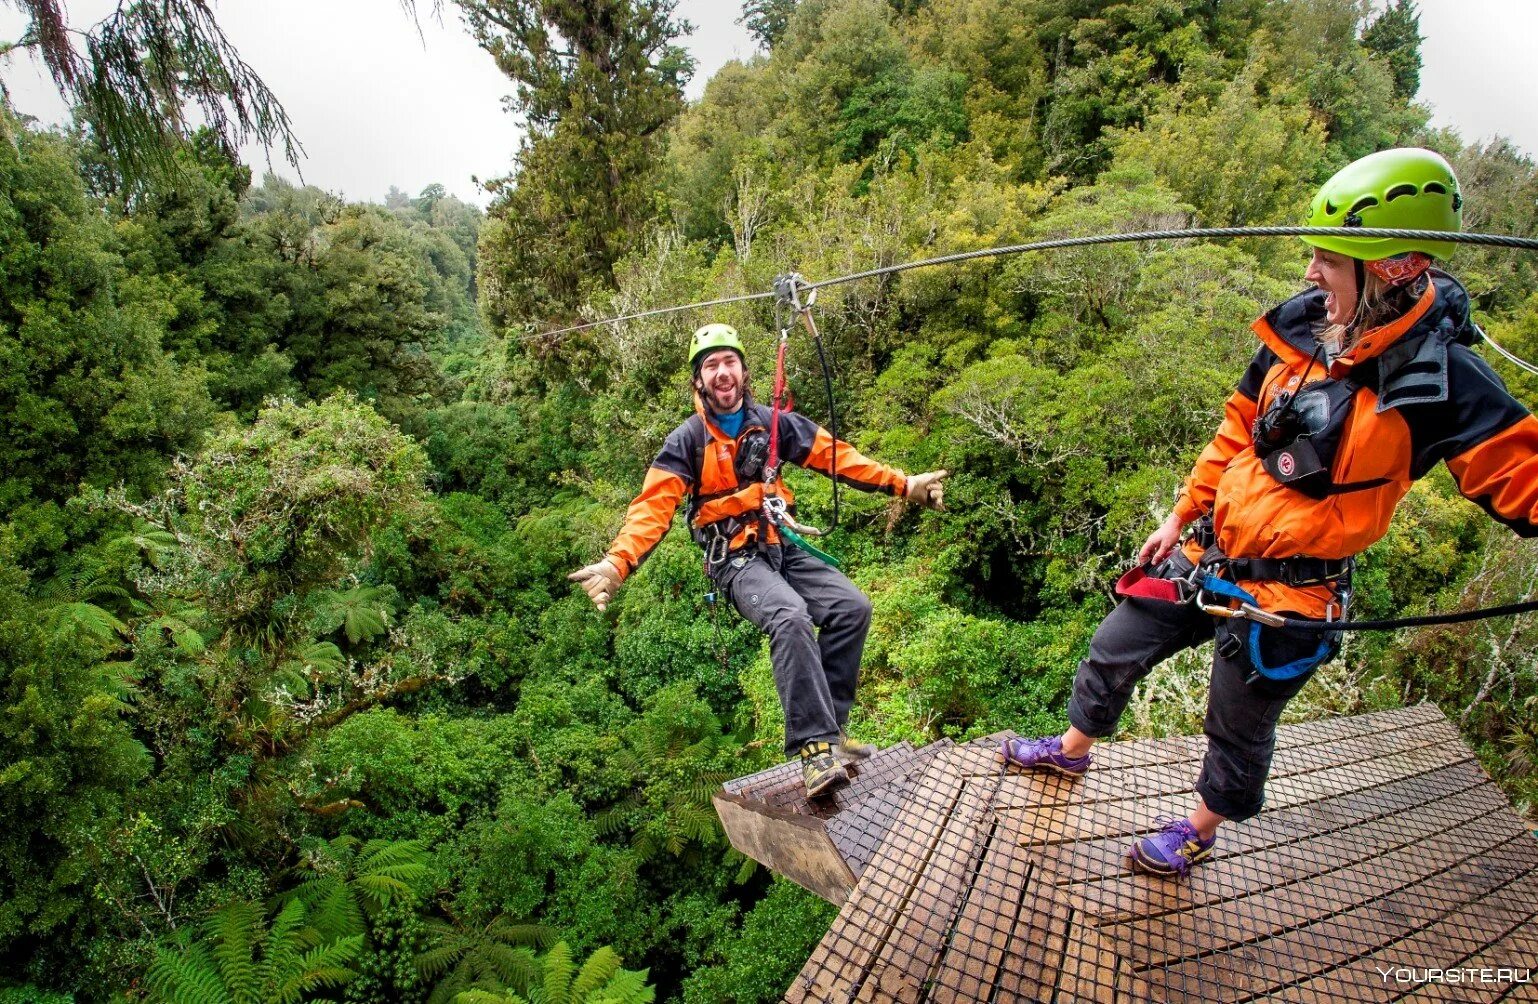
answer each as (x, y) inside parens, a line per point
(755, 964)
(89, 394)
(601, 980)
(240, 957)
(298, 671)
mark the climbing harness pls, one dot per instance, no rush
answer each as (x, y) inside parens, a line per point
(1206, 587)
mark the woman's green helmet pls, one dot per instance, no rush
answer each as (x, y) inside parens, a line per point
(712, 337)
(1403, 189)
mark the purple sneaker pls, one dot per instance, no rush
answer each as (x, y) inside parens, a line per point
(1172, 850)
(1045, 754)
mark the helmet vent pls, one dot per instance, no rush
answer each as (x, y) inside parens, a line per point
(1398, 190)
(1365, 202)
(1330, 208)
(1435, 186)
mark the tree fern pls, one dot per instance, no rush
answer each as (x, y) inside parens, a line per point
(344, 882)
(600, 980)
(492, 958)
(235, 958)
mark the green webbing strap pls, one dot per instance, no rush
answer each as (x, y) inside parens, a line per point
(808, 546)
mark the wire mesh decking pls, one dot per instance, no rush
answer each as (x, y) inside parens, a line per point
(1383, 847)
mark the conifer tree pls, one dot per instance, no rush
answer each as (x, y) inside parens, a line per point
(598, 82)
(1395, 36)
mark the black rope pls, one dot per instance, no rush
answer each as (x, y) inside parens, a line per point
(1428, 620)
(827, 381)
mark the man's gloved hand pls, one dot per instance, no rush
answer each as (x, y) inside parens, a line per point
(928, 489)
(600, 580)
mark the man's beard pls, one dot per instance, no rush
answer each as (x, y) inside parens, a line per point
(724, 407)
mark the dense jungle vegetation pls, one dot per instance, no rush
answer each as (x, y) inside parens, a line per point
(295, 701)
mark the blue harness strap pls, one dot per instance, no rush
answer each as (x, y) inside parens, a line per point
(1288, 671)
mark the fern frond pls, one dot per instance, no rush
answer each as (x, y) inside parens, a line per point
(596, 972)
(235, 930)
(558, 971)
(628, 986)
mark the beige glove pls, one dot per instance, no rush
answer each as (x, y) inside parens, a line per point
(928, 489)
(600, 580)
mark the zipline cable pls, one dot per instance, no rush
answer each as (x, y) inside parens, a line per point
(1200, 233)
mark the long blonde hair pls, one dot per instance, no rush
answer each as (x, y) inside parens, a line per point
(1377, 304)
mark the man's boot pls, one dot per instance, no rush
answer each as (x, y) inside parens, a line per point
(853, 749)
(821, 772)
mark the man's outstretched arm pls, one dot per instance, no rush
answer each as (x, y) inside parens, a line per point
(809, 445)
(646, 521)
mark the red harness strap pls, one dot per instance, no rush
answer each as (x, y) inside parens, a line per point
(773, 463)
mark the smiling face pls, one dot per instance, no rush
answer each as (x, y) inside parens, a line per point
(1335, 275)
(721, 381)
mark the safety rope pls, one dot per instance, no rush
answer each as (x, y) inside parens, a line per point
(1395, 623)
(1198, 233)
(1520, 364)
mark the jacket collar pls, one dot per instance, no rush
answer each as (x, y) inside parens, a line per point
(1443, 309)
(1406, 359)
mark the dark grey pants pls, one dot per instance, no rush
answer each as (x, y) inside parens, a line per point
(787, 593)
(1241, 717)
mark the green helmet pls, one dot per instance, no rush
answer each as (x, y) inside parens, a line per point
(712, 337)
(1402, 189)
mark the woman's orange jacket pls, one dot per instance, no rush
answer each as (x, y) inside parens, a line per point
(1424, 397)
(699, 460)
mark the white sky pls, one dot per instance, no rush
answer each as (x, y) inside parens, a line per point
(376, 105)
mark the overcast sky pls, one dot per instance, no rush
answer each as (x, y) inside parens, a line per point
(376, 105)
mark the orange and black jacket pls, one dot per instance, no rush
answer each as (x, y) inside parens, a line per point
(1420, 395)
(698, 460)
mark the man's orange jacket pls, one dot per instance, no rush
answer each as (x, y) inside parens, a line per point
(1422, 396)
(698, 460)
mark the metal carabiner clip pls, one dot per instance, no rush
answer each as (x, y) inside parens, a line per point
(718, 549)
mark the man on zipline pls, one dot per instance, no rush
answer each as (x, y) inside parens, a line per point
(719, 459)
(1362, 383)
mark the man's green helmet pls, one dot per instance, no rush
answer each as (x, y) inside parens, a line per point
(712, 337)
(1403, 189)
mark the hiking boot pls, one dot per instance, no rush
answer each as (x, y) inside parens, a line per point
(1043, 754)
(819, 770)
(1172, 850)
(853, 749)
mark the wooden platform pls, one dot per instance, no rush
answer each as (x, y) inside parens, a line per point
(1383, 845)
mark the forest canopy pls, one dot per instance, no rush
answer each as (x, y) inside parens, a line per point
(295, 700)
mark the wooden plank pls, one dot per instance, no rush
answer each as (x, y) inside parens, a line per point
(968, 969)
(1162, 940)
(919, 935)
(1063, 822)
(1489, 916)
(1106, 856)
(1034, 788)
(788, 844)
(1128, 896)
(1517, 948)
(860, 935)
(1338, 940)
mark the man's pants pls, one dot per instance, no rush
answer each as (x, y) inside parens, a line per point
(786, 592)
(1241, 717)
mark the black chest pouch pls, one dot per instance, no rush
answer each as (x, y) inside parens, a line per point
(1299, 435)
(752, 454)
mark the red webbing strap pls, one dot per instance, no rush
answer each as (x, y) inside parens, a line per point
(1139, 583)
(773, 463)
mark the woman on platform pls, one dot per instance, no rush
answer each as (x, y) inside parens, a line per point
(1361, 385)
